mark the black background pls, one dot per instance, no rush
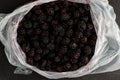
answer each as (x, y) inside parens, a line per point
(6, 70)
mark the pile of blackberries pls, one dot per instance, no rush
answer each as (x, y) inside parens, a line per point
(57, 36)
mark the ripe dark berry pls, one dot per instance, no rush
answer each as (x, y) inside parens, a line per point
(67, 66)
(44, 33)
(36, 44)
(27, 25)
(82, 25)
(74, 67)
(65, 59)
(62, 32)
(20, 39)
(76, 14)
(52, 39)
(90, 26)
(58, 39)
(45, 40)
(87, 50)
(92, 42)
(74, 60)
(26, 47)
(51, 55)
(63, 49)
(76, 55)
(81, 10)
(37, 57)
(45, 26)
(37, 31)
(69, 33)
(87, 33)
(30, 61)
(31, 53)
(38, 50)
(83, 40)
(50, 11)
(79, 34)
(59, 69)
(45, 51)
(57, 36)
(50, 46)
(21, 31)
(57, 59)
(73, 45)
(41, 18)
(84, 60)
(66, 40)
(49, 18)
(85, 18)
(70, 22)
(65, 16)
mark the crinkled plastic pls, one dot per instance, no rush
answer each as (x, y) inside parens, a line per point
(107, 50)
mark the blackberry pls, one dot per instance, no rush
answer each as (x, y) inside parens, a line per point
(36, 44)
(30, 61)
(73, 45)
(59, 69)
(45, 40)
(27, 24)
(75, 67)
(87, 50)
(65, 16)
(50, 46)
(57, 36)
(67, 66)
(76, 14)
(77, 55)
(74, 60)
(90, 26)
(70, 22)
(84, 60)
(26, 47)
(39, 50)
(29, 32)
(62, 32)
(69, 33)
(50, 11)
(35, 25)
(63, 49)
(49, 18)
(82, 25)
(21, 31)
(79, 34)
(44, 26)
(57, 59)
(41, 18)
(58, 39)
(37, 57)
(31, 53)
(37, 31)
(83, 40)
(66, 40)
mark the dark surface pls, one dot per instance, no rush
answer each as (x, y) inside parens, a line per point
(6, 70)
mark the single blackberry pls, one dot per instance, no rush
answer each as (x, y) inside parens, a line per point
(87, 50)
(27, 24)
(37, 57)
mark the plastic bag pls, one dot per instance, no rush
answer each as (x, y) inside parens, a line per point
(106, 56)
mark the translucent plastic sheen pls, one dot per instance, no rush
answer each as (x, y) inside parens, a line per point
(107, 50)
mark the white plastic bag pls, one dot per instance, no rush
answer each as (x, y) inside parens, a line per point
(106, 57)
